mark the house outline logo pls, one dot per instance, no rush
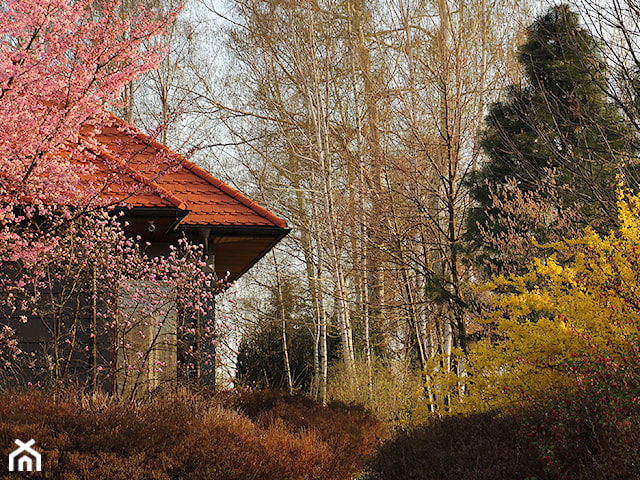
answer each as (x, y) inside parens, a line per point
(24, 462)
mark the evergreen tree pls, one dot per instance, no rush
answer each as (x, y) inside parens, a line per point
(555, 142)
(260, 361)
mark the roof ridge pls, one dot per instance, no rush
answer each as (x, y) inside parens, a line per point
(232, 192)
(136, 175)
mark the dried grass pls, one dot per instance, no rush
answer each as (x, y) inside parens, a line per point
(187, 436)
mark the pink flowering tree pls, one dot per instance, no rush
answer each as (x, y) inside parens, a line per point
(66, 263)
(62, 63)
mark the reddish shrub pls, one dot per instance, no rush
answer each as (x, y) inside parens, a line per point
(351, 431)
(187, 438)
(593, 432)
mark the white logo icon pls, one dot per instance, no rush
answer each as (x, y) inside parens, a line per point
(23, 457)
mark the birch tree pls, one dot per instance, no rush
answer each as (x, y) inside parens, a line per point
(360, 120)
(287, 55)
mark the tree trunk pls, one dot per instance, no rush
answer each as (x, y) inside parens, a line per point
(283, 319)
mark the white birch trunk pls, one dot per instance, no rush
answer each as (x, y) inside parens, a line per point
(283, 319)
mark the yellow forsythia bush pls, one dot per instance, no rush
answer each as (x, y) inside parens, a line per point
(587, 305)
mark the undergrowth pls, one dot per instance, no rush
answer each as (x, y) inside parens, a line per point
(509, 446)
(261, 435)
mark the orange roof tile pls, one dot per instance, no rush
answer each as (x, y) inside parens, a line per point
(151, 175)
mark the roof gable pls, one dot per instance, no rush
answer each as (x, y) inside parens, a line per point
(165, 178)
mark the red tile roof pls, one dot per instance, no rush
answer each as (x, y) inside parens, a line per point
(137, 170)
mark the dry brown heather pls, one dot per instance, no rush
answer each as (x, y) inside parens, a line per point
(493, 446)
(271, 435)
(483, 446)
(264, 435)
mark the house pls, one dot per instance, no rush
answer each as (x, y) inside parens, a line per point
(21, 459)
(161, 197)
(182, 198)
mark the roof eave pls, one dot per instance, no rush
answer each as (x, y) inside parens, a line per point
(240, 230)
(277, 234)
(179, 214)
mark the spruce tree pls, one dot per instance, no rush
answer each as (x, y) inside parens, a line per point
(555, 137)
